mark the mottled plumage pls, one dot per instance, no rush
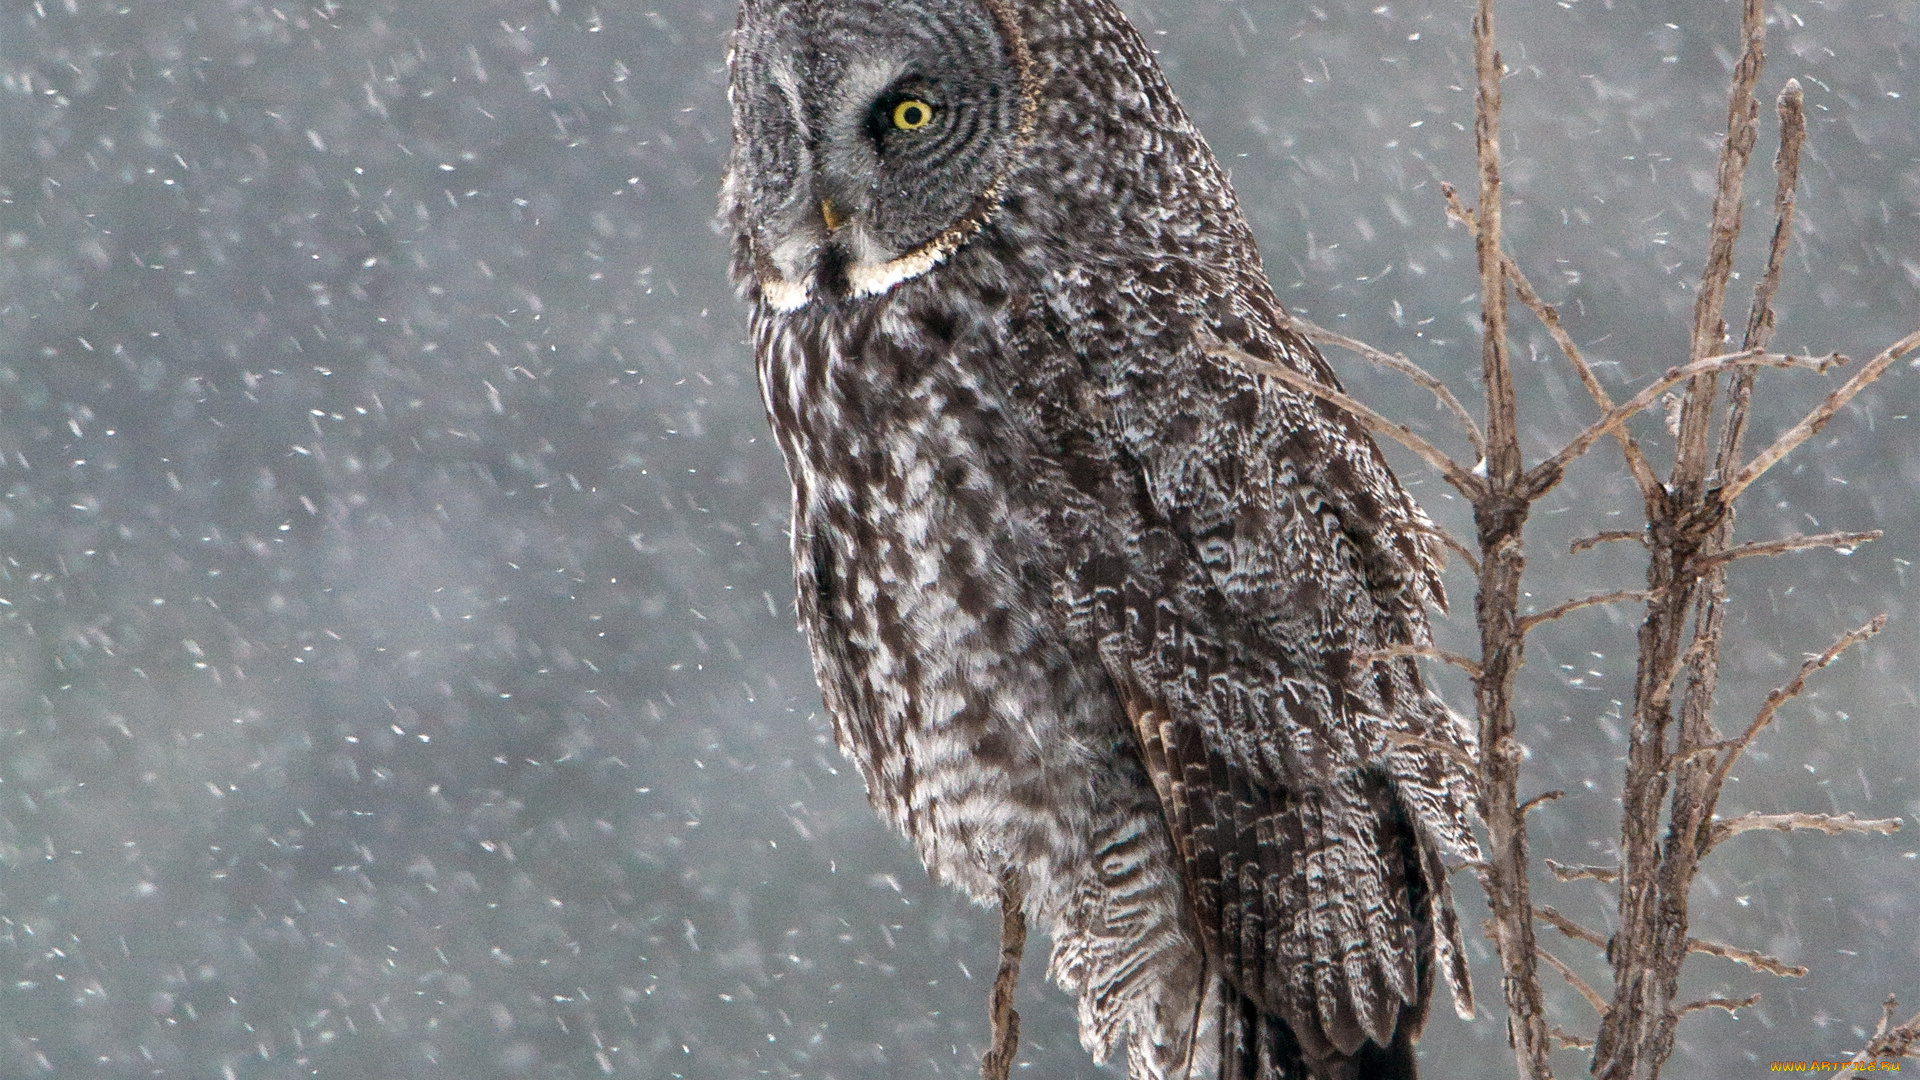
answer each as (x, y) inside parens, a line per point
(1084, 599)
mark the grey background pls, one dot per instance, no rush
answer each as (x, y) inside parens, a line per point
(397, 666)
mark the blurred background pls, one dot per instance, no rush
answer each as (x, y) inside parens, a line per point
(398, 672)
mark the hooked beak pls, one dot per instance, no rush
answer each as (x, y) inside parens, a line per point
(831, 215)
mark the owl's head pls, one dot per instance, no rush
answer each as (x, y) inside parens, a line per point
(870, 138)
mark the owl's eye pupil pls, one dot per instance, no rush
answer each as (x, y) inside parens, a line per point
(912, 114)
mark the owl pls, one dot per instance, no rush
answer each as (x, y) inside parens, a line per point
(1089, 602)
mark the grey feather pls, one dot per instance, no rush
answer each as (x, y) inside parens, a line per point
(1084, 599)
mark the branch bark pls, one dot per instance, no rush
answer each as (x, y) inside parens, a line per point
(1636, 1037)
(1499, 513)
(1846, 541)
(1570, 606)
(997, 1062)
(1758, 961)
(1831, 824)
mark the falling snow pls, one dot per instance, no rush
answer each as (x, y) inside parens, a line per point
(397, 667)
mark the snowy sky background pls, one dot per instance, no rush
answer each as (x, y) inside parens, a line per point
(397, 664)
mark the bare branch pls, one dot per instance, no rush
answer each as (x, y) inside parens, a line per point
(1594, 541)
(1539, 801)
(1845, 541)
(1709, 327)
(1468, 484)
(1569, 1041)
(1786, 168)
(1400, 363)
(1599, 1003)
(1817, 419)
(1570, 928)
(1503, 443)
(1831, 824)
(1758, 961)
(1719, 1003)
(1550, 318)
(1568, 872)
(1637, 1036)
(1542, 477)
(1395, 652)
(1530, 621)
(1783, 694)
(1454, 545)
(997, 1062)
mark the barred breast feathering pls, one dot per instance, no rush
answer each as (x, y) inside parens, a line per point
(1087, 601)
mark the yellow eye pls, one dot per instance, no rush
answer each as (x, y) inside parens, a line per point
(912, 114)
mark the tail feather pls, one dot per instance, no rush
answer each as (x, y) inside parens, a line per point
(1250, 1043)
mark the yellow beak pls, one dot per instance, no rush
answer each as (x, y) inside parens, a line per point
(831, 215)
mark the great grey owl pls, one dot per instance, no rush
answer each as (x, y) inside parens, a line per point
(1087, 600)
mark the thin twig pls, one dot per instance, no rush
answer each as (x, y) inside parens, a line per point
(1539, 801)
(1783, 694)
(1594, 541)
(1568, 872)
(1758, 961)
(1428, 652)
(1719, 1003)
(1791, 109)
(1786, 168)
(1468, 484)
(1528, 622)
(1569, 1041)
(1550, 318)
(1831, 824)
(1570, 928)
(1846, 541)
(1454, 545)
(997, 1062)
(1817, 419)
(1599, 1003)
(1399, 363)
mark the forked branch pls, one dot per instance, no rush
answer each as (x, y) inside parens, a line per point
(1550, 318)
(1817, 419)
(1543, 476)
